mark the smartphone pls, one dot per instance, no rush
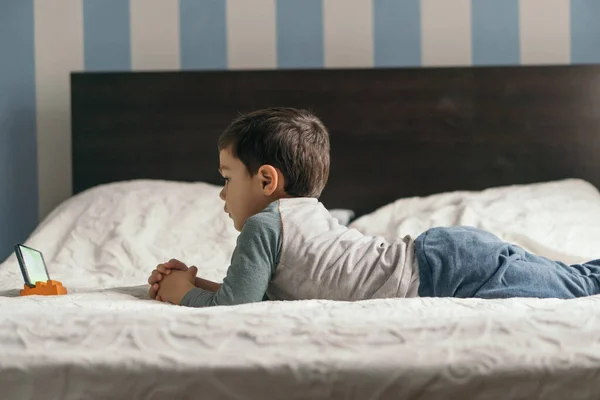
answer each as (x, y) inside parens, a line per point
(33, 266)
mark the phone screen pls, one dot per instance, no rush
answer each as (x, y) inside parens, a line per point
(34, 265)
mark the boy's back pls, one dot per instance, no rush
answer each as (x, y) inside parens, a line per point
(321, 259)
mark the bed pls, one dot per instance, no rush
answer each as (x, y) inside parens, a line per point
(508, 149)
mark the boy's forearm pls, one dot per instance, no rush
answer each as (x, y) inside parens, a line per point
(207, 285)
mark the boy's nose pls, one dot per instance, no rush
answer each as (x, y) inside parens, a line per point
(222, 194)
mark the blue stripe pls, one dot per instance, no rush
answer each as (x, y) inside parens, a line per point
(106, 30)
(495, 32)
(18, 147)
(397, 33)
(203, 34)
(300, 34)
(585, 31)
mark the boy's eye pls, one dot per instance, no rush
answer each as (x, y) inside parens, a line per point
(225, 180)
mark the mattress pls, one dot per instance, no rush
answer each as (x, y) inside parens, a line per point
(107, 340)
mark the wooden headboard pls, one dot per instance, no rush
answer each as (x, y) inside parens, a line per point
(394, 132)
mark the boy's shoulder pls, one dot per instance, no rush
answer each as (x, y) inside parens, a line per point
(296, 209)
(268, 214)
(268, 219)
(261, 235)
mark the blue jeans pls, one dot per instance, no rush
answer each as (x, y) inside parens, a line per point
(467, 262)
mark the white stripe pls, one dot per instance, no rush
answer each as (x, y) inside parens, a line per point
(155, 34)
(348, 33)
(58, 51)
(545, 29)
(251, 34)
(446, 32)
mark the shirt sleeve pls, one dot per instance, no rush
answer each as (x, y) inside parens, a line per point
(252, 264)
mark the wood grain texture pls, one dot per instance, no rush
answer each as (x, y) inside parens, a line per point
(394, 132)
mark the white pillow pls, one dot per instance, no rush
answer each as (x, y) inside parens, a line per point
(115, 234)
(559, 220)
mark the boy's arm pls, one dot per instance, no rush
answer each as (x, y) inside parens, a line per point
(207, 285)
(252, 265)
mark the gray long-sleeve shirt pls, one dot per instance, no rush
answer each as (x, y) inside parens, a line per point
(295, 250)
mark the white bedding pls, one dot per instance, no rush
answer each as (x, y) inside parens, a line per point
(107, 340)
(559, 220)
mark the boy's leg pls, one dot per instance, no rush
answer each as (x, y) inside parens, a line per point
(468, 262)
(535, 276)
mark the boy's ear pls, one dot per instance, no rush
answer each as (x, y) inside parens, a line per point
(269, 179)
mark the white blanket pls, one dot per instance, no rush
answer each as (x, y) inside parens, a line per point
(104, 342)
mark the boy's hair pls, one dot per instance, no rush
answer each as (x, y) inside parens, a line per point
(294, 141)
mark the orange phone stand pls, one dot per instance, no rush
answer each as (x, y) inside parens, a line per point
(49, 288)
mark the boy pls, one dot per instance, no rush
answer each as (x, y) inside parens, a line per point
(275, 163)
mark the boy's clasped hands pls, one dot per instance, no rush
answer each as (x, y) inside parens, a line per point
(170, 281)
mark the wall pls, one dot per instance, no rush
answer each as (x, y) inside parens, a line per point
(41, 41)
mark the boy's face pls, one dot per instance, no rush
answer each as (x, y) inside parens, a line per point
(244, 195)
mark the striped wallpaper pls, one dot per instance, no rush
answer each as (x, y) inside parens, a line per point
(41, 41)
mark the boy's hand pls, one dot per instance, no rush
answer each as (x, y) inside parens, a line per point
(162, 270)
(174, 286)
